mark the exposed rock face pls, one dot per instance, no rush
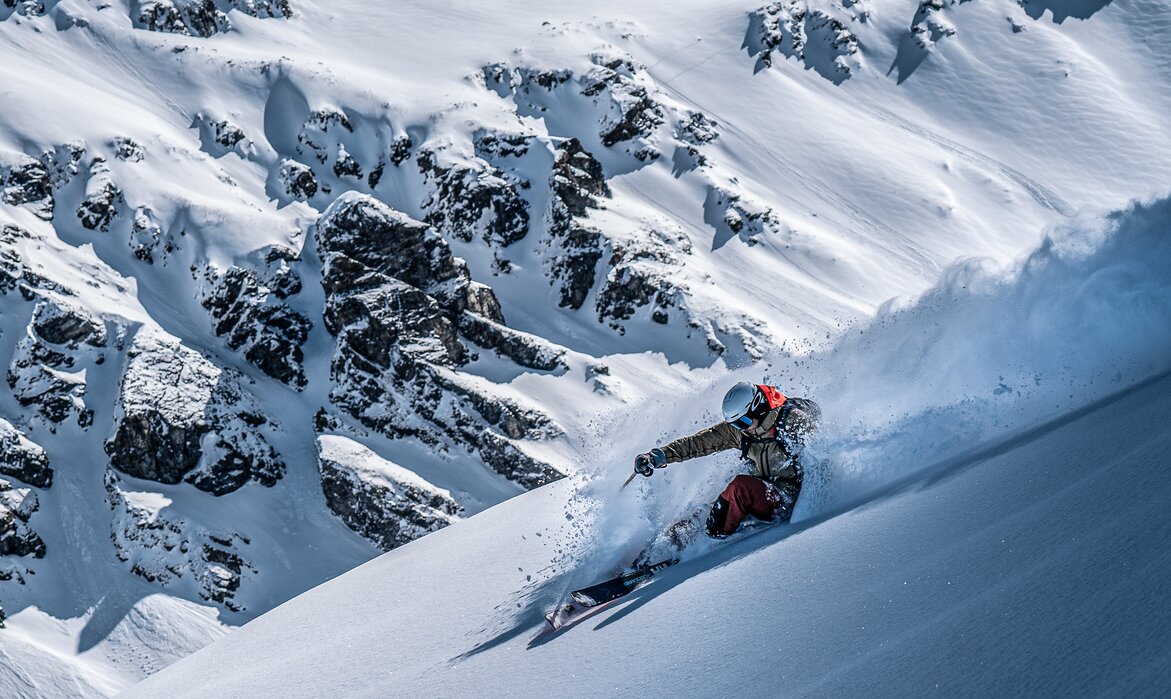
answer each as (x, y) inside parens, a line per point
(26, 183)
(162, 548)
(470, 201)
(394, 294)
(380, 500)
(930, 24)
(818, 40)
(16, 507)
(575, 186)
(298, 180)
(731, 215)
(102, 198)
(617, 90)
(22, 458)
(522, 348)
(43, 371)
(641, 274)
(202, 18)
(219, 136)
(15, 274)
(246, 306)
(181, 418)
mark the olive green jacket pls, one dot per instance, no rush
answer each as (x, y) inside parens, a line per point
(773, 457)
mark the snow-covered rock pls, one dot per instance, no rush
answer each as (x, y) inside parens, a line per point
(16, 538)
(817, 39)
(576, 184)
(182, 418)
(45, 371)
(202, 18)
(247, 309)
(166, 549)
(22, 458)
(394, 296)
(382, 501)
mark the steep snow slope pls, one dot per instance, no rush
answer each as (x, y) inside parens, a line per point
(990, 541)
(345, 268)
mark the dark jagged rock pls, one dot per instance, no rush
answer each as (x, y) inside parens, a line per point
(346, 165)
(171, 402)
(298, 180)
(243, 304)
(393, 244)
(22, 458)
(641, 274)
(127, 149)
(16, 507)
(41, 372)
(66, 324)
(697, 129)
(380, 500)
(163, 548)
(576, 183)
(790, 27)
(203, 18)
(218, 136)
(27, 183)
(394, 294)
(400, 150)
(466, 201)
(102, 198)
(524, 349)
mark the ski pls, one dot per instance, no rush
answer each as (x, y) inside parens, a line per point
(588, 599)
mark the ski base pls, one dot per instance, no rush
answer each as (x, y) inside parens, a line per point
(588, 600)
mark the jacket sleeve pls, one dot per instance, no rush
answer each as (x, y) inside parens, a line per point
(718, 437)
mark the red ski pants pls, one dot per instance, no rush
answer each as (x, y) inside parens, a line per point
(749, 495)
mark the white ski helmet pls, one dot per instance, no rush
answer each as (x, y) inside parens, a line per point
(739, 401)
(746, 402)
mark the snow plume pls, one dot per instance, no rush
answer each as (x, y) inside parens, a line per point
(989, 354)
(985, 356)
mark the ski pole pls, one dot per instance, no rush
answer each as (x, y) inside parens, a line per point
(632, 475)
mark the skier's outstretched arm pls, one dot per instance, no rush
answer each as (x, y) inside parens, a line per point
(717, 438)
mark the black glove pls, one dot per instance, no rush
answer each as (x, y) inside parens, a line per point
(646, 463)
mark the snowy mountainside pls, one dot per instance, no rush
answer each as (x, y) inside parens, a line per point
(986, 541)
(286, 284)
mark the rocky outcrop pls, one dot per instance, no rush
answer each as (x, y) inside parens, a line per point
(44, 371)
(617, 91)
(22, 458)
(219, 136)
(247, 309)
(15, 273)
(733, 214)
(817, 39)
(102, 198)
(394, 296)
(26, 183)
(181, 418)
(522, 348)
(475, 200)
(16, 507)
(298, 180)
(202, 18)
(163, 548)
(576, 183)
(380, 500)
(642, 273)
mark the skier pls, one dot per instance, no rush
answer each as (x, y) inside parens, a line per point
(769, 429)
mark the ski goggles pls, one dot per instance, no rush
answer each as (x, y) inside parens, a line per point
(742, 423)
